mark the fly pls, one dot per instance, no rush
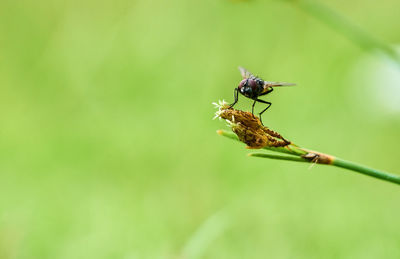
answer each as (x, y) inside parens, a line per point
(252, 87)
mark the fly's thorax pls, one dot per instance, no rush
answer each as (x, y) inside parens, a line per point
(251, 87)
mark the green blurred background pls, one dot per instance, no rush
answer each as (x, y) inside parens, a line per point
(108, 147)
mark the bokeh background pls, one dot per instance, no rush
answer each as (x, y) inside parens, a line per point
(108, 148)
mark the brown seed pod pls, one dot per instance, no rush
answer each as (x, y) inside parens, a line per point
(250, 130)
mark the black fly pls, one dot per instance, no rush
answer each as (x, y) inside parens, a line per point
(252, 87)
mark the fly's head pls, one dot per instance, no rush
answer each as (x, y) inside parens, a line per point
(250, 88)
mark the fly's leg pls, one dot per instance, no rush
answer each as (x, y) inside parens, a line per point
(268, 91)
(262, 101)
(236, 96)
(252, 107)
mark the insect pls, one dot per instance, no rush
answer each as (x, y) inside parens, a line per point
(252, 87)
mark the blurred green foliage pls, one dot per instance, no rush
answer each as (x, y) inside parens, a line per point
(108, 149)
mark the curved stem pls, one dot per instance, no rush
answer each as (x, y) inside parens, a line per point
(347, 28)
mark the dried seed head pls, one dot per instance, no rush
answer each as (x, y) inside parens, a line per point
(249, 128)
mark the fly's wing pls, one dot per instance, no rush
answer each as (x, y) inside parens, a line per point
(245, 74)
(268, 84)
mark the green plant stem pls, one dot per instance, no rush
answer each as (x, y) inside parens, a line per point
(345, 27)
(280, 157)
(297, 153)
(366, 170)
